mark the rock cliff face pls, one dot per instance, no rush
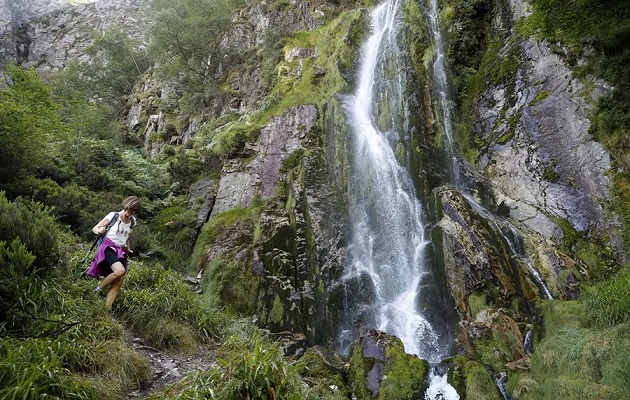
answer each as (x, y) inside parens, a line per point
(7, 35)
(539, 187)
(46, 34)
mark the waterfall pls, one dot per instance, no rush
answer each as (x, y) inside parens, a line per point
(389, 257)
(444, 110)
(388, 244)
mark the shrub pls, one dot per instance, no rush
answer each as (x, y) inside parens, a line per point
(37, 228)
(28, 123)
(176, 228)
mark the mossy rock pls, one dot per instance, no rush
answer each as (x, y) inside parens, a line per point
(326, 370)
(380, 369)
(494, 338)
(472, 380)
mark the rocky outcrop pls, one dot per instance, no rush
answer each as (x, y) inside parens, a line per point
(47, 34)
(380, 369)
(539, 159)
(202, 195)
(7, 36)
(277, 141)
(293, 253)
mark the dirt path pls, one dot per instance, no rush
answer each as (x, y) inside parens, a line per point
(168, 366)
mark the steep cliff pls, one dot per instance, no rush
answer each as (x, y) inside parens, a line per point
(48, 34)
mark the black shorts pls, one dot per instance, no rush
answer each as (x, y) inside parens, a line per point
(111, 258)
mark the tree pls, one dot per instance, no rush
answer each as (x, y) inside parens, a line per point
(187, 38)
(117, 63)
(29, 123)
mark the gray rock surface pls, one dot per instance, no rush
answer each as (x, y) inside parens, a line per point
(7, 38)
(240, 183)
(202, 193)
(551, 167)
(55, 31)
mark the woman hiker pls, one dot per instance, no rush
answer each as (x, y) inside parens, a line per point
(111, 255)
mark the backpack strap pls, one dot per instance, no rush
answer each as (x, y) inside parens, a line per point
(111, 223)
(133, 221)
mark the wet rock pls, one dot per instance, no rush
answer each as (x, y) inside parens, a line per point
(325, 369)
(477, 255)
(380, 368)
(472, 380)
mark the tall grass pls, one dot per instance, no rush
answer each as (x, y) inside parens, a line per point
(585, 352)
(162, 309)
(608, 303)
(248, 367)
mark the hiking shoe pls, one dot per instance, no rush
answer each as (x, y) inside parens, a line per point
(98, 291)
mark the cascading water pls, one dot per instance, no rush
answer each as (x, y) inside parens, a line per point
(444, 109)
(388, 243)
(388, 247)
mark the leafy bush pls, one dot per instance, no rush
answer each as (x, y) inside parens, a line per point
(186, 39)
(187, 166)
(176, 227)
(16, 264)
(29, 123)
(116, 64)
(37, 228)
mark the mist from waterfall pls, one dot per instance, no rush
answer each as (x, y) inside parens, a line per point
(388, 247)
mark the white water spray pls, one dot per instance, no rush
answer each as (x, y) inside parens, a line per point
(388, 231)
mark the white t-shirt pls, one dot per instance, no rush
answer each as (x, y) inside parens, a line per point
(119, 232)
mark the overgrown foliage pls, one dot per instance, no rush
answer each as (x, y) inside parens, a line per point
(250, 367)
(163, 309)
(29, 124)
(576, 360)
(188, 40)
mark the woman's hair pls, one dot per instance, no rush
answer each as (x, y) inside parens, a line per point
(131, 203)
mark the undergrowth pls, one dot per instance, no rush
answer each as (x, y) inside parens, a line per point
(585, 350)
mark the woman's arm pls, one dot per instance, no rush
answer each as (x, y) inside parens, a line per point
(101, 227)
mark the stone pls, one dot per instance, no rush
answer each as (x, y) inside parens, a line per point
(380, 368)
(202, 193)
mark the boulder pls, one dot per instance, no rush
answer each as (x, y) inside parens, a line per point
(380, 368)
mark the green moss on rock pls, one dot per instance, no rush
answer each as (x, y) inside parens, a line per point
(403, 375)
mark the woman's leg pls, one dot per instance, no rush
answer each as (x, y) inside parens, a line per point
(118, 271)
(113, 291)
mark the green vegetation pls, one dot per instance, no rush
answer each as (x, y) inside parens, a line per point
(29, 124)
(187, 40)
(577, 360)
(314, 80)
(249, 367)
(472, 380)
